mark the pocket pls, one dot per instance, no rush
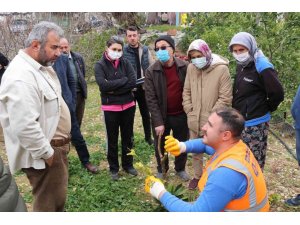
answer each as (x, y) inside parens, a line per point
(51, 103)
(192, 120)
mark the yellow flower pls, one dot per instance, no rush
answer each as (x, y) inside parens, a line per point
(132, 152)
(139, 166)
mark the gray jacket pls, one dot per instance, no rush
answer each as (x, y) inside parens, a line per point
(10, 198)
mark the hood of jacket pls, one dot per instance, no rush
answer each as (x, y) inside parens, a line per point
(216, 61)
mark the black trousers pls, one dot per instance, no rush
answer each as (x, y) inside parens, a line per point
(113, 121)
(78, 140)
(80, 105)
(178, 125)
(139, 95)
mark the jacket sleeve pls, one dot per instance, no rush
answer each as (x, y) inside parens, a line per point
(186, 94)
(107, 85)
(71, 83)
(225, 90)
(83, 65)
(295, 110)
(273, 88)
(152, 101)
(131, 82)
(10, 198)
(3, 60)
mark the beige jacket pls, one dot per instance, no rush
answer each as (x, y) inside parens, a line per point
(29, 112)
(206, 90)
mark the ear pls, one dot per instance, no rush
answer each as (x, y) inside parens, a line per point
(227, 135)
(36, 45)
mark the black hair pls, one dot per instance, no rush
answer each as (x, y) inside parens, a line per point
(114, 40)
(232, 120)
(131, 28)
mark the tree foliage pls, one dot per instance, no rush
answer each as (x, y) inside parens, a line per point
(277, 34)
(91, 46)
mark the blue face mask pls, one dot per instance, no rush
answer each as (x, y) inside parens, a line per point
(199, 62)
(163, 55)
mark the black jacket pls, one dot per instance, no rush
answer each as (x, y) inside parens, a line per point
(4, 62)
(254, 94)
(115, 84)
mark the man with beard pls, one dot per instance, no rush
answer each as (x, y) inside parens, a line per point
(140, 58)
(232, 180)
(35, 118)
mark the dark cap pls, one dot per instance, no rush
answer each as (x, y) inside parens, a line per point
(166, 38)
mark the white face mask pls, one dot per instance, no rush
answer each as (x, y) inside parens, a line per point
(243, 57)
(199, 62)
(114, 54)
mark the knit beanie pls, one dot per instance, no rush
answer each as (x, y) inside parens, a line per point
(166, 38)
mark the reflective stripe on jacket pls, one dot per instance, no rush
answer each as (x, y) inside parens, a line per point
(241, 159)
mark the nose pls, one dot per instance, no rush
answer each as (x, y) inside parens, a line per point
(57, 52)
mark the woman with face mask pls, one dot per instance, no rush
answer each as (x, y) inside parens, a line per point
(207, 86)
(257, 92)
(116, 79)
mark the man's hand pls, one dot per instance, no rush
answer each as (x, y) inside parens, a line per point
(160, 130)
(173, 146)
(50, 160)
(154, 186)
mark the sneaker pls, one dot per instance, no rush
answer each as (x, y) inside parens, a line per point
(193, 184)
(293, 201)
(131, 171)
(114, 176)
(159, 175)
(183, 175)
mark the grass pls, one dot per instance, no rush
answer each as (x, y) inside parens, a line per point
(97, 193)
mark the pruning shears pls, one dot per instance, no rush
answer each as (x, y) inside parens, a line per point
(163, 157)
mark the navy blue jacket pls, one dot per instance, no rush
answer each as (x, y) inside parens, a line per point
(67, 81)
(296, 109)
(80, 67)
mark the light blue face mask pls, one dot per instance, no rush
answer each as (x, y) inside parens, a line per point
(199, 62)
(163, 55)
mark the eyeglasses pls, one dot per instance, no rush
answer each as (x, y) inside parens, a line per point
(116, 49)
(161, 48)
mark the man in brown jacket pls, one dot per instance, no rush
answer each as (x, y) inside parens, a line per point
(164, 81)
(207, 86)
